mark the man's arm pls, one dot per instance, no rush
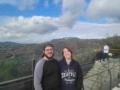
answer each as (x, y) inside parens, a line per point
(38, 73)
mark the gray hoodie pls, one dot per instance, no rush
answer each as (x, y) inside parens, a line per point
(47, 75)
(38, 73)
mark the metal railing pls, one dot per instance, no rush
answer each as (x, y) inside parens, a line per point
(22, 83)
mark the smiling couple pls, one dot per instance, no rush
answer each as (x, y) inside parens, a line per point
(50, 74)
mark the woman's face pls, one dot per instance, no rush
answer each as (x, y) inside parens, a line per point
(67, 54)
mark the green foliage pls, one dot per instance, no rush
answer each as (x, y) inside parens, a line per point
(5, 70)
(114, 42)
(9, 69)
(86, 56)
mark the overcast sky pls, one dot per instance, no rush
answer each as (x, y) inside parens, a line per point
(36, 21)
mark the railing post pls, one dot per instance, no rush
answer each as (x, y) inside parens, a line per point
(119, 72)
(33, 66)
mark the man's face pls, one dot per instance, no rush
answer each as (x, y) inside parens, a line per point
(48, 52)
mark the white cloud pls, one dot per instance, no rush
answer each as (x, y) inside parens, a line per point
(37, 29)
(71, 11)
(88, 30)
(35, 24)
(21, 28)
(107, 9)
(93, 30)
(21, 4)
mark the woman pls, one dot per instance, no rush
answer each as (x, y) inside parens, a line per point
(71, 73)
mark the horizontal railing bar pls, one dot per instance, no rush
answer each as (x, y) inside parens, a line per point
(16, 80)
(115, 49)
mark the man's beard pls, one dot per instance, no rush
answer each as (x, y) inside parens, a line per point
(48, 56)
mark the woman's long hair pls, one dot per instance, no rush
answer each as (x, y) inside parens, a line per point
(69, 51)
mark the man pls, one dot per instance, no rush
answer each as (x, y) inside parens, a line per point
(106, 52)
(47, 74)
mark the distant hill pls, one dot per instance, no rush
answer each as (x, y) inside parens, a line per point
(7, 49)
(9, 43)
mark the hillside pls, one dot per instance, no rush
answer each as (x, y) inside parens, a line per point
(10, 49)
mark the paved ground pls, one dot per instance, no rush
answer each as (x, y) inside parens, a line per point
(97, 77)
(117, 88)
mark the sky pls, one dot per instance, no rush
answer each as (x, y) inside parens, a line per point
(37, 21)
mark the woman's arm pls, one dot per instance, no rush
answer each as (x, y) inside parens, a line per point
(79, 78)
